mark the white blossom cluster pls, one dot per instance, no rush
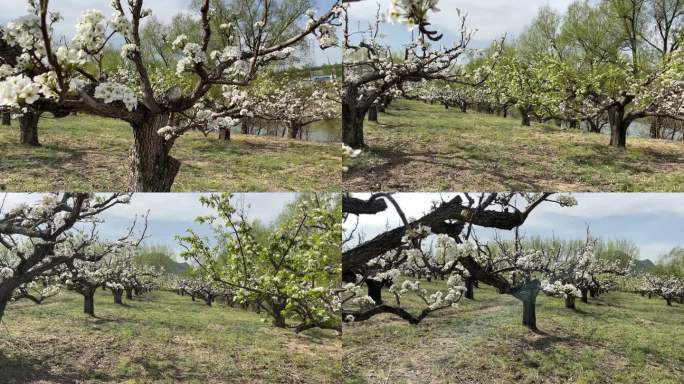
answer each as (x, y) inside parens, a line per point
(111, 92)
(558, 289)
(90, 31)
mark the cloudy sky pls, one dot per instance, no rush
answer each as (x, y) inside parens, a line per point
(654, 222)
(491, 18)
(162, 9)
(170, 214)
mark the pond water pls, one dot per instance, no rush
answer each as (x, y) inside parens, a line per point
(328, 131)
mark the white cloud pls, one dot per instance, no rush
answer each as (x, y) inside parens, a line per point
(492, 18)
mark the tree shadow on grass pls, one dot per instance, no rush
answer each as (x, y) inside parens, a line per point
(394, 159)
(19, 370)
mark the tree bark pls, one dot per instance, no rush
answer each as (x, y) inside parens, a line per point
(4, 299)
(618, 126)
(669, 301)
(278, 318)
(373, 113)
(224, 134)
(528, 296)
(464, 107)
(152, 169)
(375, 291)
(352, 119)
(570, 302)
(28, 123)
(470, 291)
(118, 296)
(524, 117)
(585, 298)
(294, 129)
(6, 118)
(89, 302)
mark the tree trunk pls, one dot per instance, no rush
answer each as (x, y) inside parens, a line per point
(585, 298)
(505, 112)
(208, 300)
(524, 117)
(373, 113)
(618, 126)
(669, 301)
(464, 107)
(375, 291)
(224, 134)
(470, 291)
(570, 302)
(352, 120)
(293, 129)
(278, 318)
(28, 123)
(89, 302)
(118, 296)
(4, 299)
(6, 118)
(528, 296)
(244, 126)
(152, 169)
(129, 293)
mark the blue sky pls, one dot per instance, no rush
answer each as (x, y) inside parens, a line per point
(491, 18)
(652, 221)
(170, 214)
(162, 9)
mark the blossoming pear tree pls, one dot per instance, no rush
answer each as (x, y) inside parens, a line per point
(511, 268)
(292, 275)
(372, 70)
(296, 103)
(58, 229)
(575, 272)
(668, 287)
(69, 74)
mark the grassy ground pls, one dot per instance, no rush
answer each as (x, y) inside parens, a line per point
(162, 338)
(619, 338)
(425, 147)
(90, 153)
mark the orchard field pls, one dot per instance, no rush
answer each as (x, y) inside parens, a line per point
(616, 338)
(86, 153)
(418, 146)
(157, 337)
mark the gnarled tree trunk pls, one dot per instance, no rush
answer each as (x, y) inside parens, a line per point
(618, 126)
(28, 124)
(129, 293)
(524, 117)
(352, 119)
(570, 302)
(375, 291)
(6, 118)
(294, 128)
(89, 301)
(470, 291)
(373, 113)
(152, 169)
(528, 296)
(224, 134)
(118, 296)
(585, 295)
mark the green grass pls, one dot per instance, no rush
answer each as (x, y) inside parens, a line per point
(86, 153)
(417, 146)
(158, 338)
(618, 338)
